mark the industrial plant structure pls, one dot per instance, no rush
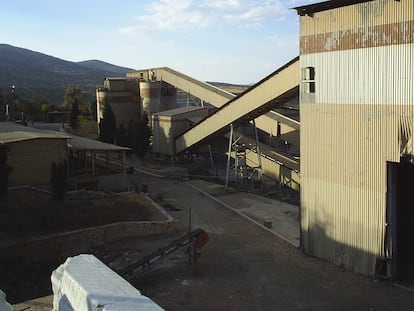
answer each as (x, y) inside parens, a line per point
(123, 95)
(356, 107)
(31, 152)
(353, 83)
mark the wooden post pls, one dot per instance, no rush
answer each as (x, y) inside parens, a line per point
(93, 162)
(228, 156)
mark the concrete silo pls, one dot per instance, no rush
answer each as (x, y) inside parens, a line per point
(123, 95)
(157, 96)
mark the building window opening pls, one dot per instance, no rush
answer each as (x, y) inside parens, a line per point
(308, 80)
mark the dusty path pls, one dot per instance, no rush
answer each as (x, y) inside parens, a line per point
(245, 268)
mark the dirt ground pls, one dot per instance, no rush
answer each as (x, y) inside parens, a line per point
(242, 267)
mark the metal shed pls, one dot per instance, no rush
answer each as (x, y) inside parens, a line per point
(88, 148)
(31, 152)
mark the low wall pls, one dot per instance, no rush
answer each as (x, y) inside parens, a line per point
(57, 247)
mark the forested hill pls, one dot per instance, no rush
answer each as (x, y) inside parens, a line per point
(47, 77)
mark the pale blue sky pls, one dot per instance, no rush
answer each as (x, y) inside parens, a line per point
(235, 41)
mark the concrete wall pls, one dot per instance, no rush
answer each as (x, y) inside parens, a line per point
(31, 160)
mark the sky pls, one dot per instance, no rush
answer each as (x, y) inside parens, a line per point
(233, 41)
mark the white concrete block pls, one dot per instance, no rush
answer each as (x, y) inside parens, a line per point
(84, 283)
(4, 305)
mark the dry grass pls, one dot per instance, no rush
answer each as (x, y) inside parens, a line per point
(28, 213)
(86, 128)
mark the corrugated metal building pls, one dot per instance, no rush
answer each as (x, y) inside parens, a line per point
(31, 152)
(357, 118)
(167, 125)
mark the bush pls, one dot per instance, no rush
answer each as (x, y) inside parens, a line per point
(58, 180)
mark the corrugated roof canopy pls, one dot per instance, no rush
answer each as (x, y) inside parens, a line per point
(12, 132)
(83, 143)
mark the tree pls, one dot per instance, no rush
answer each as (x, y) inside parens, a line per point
(143, 137)
(44, 108)
(33, 108)
(130, 135)
(73, 94)
(74, 114)
(2, 107)
(5, 170)
(121, 136)
(107, 126)
(93, 111)
(58, 180)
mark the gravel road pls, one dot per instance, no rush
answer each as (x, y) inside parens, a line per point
(244, 267)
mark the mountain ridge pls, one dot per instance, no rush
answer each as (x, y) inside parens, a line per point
(35, 74)
(104, 66)
(47, 77)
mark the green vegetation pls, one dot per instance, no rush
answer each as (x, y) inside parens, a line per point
(122, 138)
(58, 180)
(74, 114)
(136, 136)
(73, 94)
(143, 137)
(47, 77)
(107, 126)
(5, 170)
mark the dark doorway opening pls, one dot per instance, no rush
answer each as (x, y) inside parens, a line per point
(400, 214)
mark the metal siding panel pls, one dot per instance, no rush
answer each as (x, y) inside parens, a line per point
(351, 179)
(344, 186)
(348, 135)
(31, 160)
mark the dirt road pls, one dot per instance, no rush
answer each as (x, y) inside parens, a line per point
(245, 268)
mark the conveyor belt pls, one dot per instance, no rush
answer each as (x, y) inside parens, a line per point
(272, 91)
(256, 102)
(205, 91)
(193, 240)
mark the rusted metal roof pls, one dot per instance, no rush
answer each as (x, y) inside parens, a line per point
(326, 5)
